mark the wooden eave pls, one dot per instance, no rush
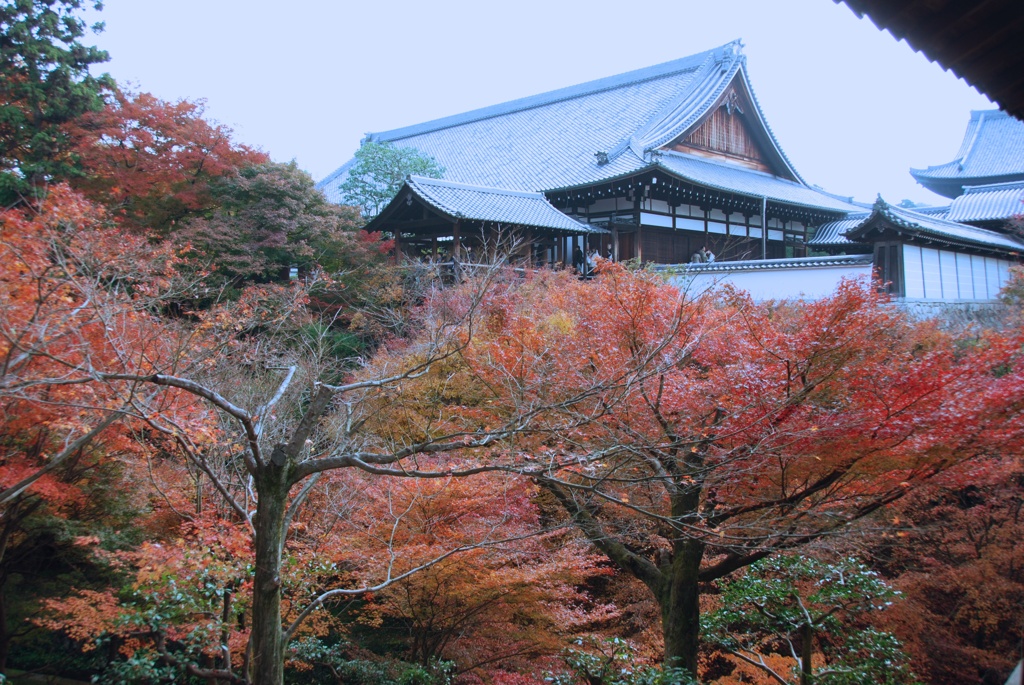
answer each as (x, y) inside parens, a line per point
(391, 214)
(675, 190)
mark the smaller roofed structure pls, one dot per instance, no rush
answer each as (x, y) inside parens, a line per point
(887, 220)
(992, 151)
(832, 236)
(428, 210)
(923, 256)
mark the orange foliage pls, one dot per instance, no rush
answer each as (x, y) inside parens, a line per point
(960, 564)
(77, 298)
(712, 426)
(510, 599)
(152, 161)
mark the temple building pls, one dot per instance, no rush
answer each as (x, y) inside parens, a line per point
(957, 252)
(654, 165)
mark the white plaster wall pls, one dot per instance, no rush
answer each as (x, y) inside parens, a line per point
(777, 284)
(932, 274)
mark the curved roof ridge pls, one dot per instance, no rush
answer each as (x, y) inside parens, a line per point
(691, 105)
(992, 151)
(970, 136)
(993, 113)
(681, 113)
(683, 64)
(426, 180)
(684, 102)
(961, 160)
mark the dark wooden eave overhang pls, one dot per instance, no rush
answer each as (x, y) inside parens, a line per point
(660, 181)
(978, 40)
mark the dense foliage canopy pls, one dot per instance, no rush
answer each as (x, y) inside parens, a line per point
(238, 445)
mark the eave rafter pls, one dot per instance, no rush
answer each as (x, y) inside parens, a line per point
(659, 183)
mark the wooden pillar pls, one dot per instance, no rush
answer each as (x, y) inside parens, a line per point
(528, 239)
(615, 242)
(637, 199)
(455, 240)
(764, 227)
(398, 247)
(433, 248)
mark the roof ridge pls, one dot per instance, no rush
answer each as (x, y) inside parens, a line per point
(705, 76)
(768, 128)
(961, 161)
(426, 180)
(688, 63)
(334, 174)
(993, 113)
(723, 69)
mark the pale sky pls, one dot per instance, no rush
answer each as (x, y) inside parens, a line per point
(305, 79)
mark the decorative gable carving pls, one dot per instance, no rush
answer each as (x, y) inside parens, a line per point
(726, 134)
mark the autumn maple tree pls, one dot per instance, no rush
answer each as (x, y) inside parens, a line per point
(688, 437)
(152, 162)
(77, 295)
(283, 429)
(502, 607)
(953, 550)
(270, 218)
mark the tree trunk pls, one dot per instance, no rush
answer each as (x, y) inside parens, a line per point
(679, 599)
(5, 637)
(267, 635)
(806, 650)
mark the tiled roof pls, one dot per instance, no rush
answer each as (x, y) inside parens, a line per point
(833, 234)
(550, 141)
(934, 228)
(478, 203)
(934, 210)
(733, 178)
(330, 186)
(992, 150)
(770, 264)
(994, 202)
